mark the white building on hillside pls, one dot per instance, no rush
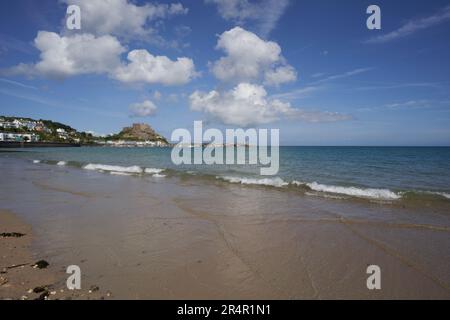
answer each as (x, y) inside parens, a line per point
(19, 137)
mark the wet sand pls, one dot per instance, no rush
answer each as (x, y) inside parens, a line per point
(23, 276)
(173, 238)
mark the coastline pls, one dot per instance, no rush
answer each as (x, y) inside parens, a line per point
(13, 145)
(177, 238)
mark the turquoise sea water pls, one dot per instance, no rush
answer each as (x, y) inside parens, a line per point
(388, 173)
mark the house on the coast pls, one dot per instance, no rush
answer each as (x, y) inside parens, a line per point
(62, 134)
(18, 137)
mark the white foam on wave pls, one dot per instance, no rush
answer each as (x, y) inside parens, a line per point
(274, 182)
(105, 167)
(36, 161)
(445, 195)
(118, 173)
(61, 163)
(324, 195)
(380, 194)
(157, 175)
(442, 194)
(153, 170)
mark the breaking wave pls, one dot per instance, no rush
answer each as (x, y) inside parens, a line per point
(308, 188)
(442, 194)
(370, 193)
(105, 167)
(118, 173)
(124, 171)
(153, 170)
(157, 175)
(275, 182)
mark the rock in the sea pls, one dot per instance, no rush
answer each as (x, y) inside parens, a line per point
(140, 132)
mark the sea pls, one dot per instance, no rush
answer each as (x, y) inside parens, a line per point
(141, 227)
(370, 173)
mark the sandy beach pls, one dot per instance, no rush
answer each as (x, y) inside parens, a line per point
(23, 276)
(173, 238)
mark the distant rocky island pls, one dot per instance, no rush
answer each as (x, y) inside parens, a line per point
(139, 134)
(31, 132)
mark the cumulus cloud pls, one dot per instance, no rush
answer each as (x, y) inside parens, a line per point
(123, 18)
(264, 13)
(248, 104)
(280, 75)
(62, 57)
(146, 68)
(143, 109)
(65, 56)
(250, 58)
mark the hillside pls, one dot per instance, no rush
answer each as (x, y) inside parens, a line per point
(51, 131)
(138, 132)
(21, 128)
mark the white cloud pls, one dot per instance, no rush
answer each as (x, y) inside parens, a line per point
(145, 68)
(18, 84)
(245, 105)
(62, 56)
(65, 56)
(413, 26)
(265, 13)
(343, 75)
(249, 104)
(250, 58)
(143, 109)
(414, 104)
(299, 93)
(280, 75)
(123, 18)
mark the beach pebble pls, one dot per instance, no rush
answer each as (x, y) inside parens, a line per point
(24, 298)
(11, 235)
(53, 293)
(39, 289)
(43, 296)
(93, 289)
(41, 264)
(3, 281)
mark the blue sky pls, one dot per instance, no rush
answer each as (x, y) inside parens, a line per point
(310, 68)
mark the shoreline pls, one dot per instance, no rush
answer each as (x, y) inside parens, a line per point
(19, 145)
(176, 238)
